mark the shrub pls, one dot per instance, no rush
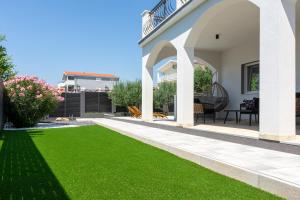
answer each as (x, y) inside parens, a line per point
(127, 93)
(28, 100)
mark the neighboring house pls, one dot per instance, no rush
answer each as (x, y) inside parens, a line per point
(83, 81)
(167, 72)
(254, 46)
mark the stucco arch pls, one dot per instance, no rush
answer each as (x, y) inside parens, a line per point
(211, 12)
(162, 50)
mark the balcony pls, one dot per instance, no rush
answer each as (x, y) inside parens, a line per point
(162, 11)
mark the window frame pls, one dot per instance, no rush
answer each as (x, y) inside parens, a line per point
(245, 78)
(72, 78)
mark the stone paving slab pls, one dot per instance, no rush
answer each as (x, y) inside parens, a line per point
(273, 171)
(255, 142)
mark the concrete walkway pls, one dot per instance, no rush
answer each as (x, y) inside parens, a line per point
(273, 171)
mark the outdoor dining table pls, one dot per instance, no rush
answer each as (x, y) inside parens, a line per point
(232, 111)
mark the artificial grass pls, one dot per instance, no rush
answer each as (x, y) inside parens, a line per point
(93, 162)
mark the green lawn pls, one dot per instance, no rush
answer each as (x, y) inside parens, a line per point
(93, 162)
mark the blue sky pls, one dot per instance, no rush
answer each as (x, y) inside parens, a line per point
(45, 38)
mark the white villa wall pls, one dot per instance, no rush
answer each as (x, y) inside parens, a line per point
(277, 58)
(230, 76)
(298, 58)
(230, 72)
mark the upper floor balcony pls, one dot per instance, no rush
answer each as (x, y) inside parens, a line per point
(159, 14)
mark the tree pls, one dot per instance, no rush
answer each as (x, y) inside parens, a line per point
(127, 93)
(134, 93)
(164, 95)
(202, 80)
(117, 94)
(6, 66)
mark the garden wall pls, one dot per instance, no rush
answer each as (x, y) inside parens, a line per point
(69, 107)
(97, 102)
(78, 104)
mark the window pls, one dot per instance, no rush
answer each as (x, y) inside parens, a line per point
(71, 88)
(106, 79)
(103, 79)
(250, 77)
(71, 78)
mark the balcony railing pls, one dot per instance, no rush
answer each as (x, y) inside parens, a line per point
(159, 13)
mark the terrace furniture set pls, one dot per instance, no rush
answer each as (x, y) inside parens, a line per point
(215, 102)
(218, 100)
(248, 107)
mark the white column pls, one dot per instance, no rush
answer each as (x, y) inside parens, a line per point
(147, 91)
(277, 70)
(82, 104)
(180, 3)
(145, 18)
(185, 86)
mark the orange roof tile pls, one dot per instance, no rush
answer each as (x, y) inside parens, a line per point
(89, 74)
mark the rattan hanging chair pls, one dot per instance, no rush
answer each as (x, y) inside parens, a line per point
(217, 100)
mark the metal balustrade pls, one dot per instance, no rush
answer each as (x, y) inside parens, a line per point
(159, 13)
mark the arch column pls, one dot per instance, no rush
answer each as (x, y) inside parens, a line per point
(277, 69)
(185, 86)
(147, 90)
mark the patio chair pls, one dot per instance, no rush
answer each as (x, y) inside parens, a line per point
(155, 114)
(250, 107)
(199, 110)
(203, 109)
(134, 113)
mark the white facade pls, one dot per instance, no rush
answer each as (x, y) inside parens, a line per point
(80, 81)
(168, 71)
(228, 34)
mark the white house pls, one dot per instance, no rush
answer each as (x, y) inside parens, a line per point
(242, 40)
(167, 72)
(86, 81)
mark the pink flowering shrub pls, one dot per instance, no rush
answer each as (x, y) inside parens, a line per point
(28, 100)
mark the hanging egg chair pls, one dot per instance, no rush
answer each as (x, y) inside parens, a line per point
(216, 100)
